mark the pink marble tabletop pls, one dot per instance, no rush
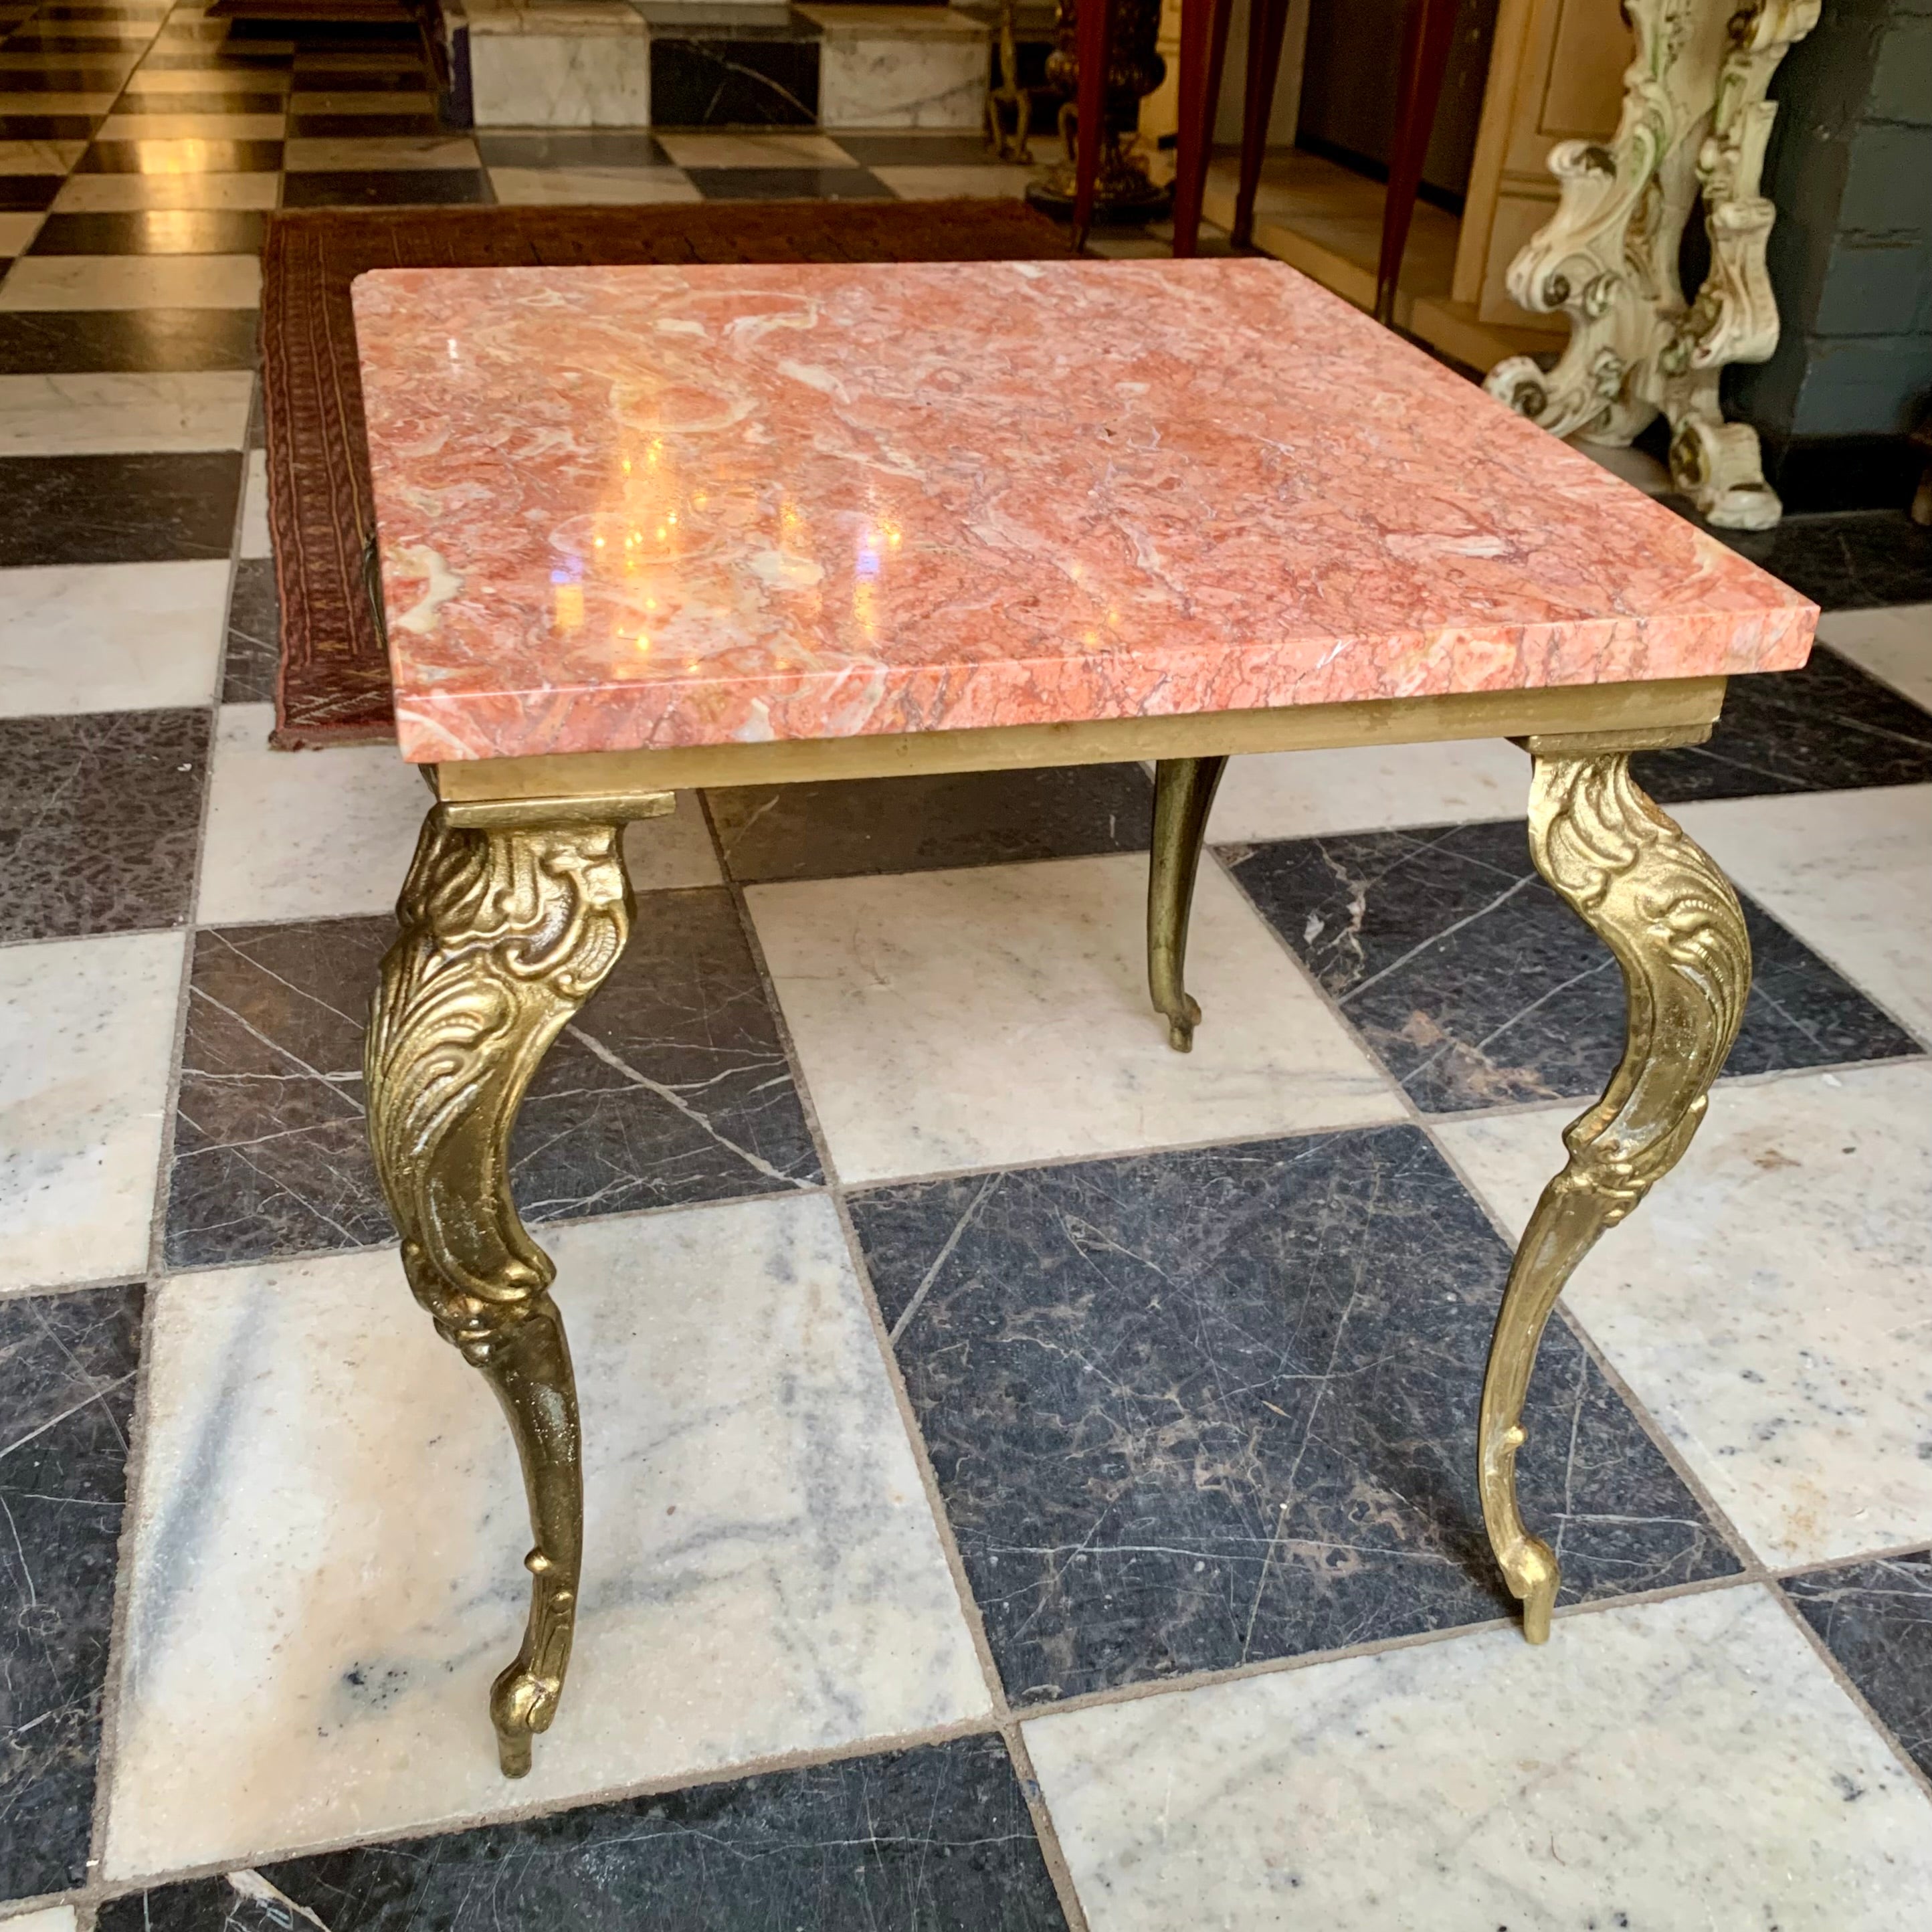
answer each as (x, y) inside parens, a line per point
(630, 507)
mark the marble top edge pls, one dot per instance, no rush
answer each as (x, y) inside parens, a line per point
(949, 496)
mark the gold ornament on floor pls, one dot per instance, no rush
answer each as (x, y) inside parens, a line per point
(1674, 924)
(506, 933)
(1123, 191)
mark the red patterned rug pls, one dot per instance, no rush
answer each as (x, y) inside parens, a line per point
(333, 685)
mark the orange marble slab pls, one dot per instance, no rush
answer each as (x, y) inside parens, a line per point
(622, 507)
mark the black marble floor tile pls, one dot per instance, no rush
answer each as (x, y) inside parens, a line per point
(1190, 1409)
(1477, 986)
(316, 77)
(914, 150)
(28, 194)
(50, 79)
(98, 819)
(169, 157)
(921, 824)
(1849, 561)
(397, 187)
(671, 1086)
(118, 509)
(931, 1840)
(362, 127)
(1827, 728)
(78, 341)
(1876, 1618)
(156, 231)
(789, 185)
(254, 634)
(734, 83)
(48, 127)
(593, 147)
(51, 40)
(67, 1394)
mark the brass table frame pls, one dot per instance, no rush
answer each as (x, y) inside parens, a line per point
(517, 905)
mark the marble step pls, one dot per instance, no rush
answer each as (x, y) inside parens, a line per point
(698, 64)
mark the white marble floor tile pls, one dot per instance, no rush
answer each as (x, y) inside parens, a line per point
(304, 835)
(116, 194)
(385, 152)
(110, 636)
(39, 157)
(102, 414)
(998, 1016)
(1894, 644)
(663, 854)
(87, 1030)
(1850, 872)
(155, 81)
(101, 66)
(1675, 1765)
(16, 232)
(1769, 1304)
(535, 187)
(140, 124)
(988, 183)
(325, 1571)
(62, 282)
(49, 1918)
(754, 151)
(256, 541)
(1303, 794)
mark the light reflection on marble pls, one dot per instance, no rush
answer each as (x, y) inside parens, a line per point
(1769, 1303)
(1661, 1766)
(325, 1576)
(38, 283)
(998, 1015)
(737, 503)
(86, 1029)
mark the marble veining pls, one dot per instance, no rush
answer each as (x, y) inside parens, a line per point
(1477, 986)
(67, 1394)
(331, 1522)
(632, 507)
(1660, 1765)
(1192, 1410)
(1876, 1618)
(1768, 1305)
(925, 1841)
(671, 1086)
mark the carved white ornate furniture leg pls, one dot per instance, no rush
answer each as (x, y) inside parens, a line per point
(1694, 118)
(1671, 920)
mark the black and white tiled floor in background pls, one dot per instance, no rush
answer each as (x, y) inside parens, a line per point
(1028, 1472)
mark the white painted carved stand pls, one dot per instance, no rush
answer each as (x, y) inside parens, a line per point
(1694, 118)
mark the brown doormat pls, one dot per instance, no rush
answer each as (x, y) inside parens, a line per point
(333, 685)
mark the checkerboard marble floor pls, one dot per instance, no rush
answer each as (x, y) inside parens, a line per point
(1029, 1476)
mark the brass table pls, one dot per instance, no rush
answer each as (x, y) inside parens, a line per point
(650, 529)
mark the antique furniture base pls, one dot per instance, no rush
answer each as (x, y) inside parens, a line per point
(518, 906)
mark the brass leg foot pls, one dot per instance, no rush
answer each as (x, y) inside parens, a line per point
(505, 934)
(1184, 793)
(1672, 922)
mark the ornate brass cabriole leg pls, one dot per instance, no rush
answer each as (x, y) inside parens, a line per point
(505, 932)
(1671, 920)
(1184, 793)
